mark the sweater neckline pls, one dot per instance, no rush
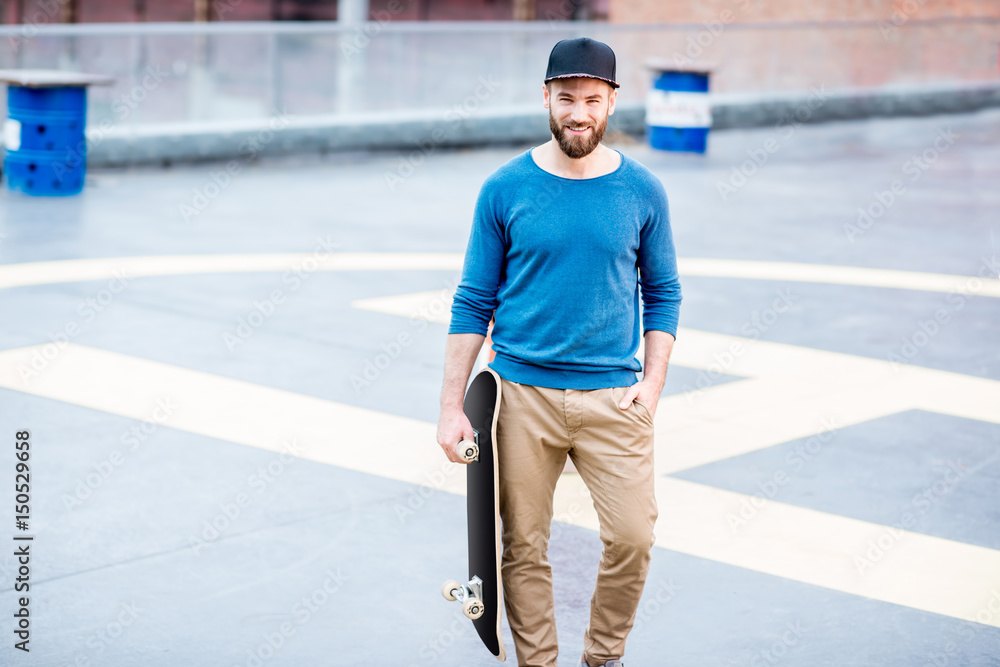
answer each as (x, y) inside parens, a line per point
(534, 165)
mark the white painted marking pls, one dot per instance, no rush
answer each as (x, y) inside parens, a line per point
(822, 549)
(233, 410)
(913, 570)
(842, 275)
(105, 268)
(805, 545)
(791, 392)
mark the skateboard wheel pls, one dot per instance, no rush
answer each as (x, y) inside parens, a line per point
(473, 608)
(468, 451)
(448, 589)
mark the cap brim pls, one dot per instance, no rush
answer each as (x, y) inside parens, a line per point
(583, 76)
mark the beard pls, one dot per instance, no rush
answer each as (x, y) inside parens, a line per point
(577, 147)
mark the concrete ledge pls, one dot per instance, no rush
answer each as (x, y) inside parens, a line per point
(426, 130)
(818, 105)
(285, 135)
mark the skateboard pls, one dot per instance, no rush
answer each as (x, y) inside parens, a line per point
(482, 595)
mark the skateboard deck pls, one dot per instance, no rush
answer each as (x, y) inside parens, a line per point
(482, 595)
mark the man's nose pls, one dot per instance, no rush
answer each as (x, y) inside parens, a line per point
(579, 113)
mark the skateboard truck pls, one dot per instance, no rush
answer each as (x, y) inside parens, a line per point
(471, 596)
(468, 450)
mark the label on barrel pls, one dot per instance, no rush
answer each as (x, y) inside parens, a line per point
(672, 108)
(12, 134)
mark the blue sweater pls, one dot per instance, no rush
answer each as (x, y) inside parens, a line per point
(556, 258)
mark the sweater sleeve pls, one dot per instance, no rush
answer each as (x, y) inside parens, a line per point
(658, 277)
(476, 295)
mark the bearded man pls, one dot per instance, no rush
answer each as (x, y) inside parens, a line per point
(566, 239)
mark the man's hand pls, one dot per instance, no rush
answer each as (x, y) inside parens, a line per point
(453, 426)
(459, 357)
(648, 394)
(659, 344)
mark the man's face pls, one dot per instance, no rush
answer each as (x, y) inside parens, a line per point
(578, 113)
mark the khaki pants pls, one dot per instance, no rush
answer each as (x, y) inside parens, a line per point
(612, 450)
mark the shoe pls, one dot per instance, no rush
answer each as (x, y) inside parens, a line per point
(609, 663)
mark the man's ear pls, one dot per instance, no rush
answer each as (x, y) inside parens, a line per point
(545, 95)
(611, 101)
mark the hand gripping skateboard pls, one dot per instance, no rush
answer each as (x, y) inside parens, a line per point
(482, 596)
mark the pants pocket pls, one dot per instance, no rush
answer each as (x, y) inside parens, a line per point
(644, 409)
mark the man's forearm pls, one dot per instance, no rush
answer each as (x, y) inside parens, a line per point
(460, 355)
(659, 345)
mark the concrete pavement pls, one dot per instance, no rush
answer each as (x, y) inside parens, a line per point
(230, 379)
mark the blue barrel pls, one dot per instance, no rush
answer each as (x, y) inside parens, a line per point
(678, 113)
(45, 141)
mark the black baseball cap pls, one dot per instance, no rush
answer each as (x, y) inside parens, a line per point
(581, 57)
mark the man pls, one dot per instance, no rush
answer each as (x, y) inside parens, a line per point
(557, 237)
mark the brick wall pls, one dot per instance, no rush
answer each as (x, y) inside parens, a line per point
(112, 11)
(750, 46)
(772, 11)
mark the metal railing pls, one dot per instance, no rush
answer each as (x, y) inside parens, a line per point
(231, 72)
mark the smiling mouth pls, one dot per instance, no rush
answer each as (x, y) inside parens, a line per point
(576, 130)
